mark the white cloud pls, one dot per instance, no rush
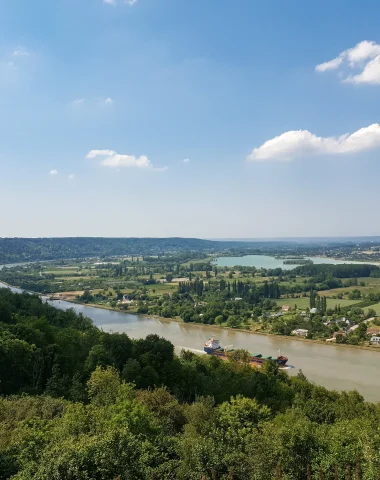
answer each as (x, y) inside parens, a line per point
(71, 176)
(100, 153)
(100, 101)
(302, 143)
(364, 57)
(53, 172)
(114, 159)
(117, 2)
(78, 101)
(331, 65)
(362, 51)
(21, 52)
(370, 73)
(186, 160)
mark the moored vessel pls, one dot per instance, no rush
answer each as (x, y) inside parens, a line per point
(213, 347)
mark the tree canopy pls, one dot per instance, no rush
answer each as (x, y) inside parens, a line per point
(78, 403)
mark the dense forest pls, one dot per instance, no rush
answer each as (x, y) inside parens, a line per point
(338, 271)
(14, 250)
(29, 249)
(78, 403)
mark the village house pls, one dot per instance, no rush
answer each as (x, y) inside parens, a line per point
(353, 328)
(300, 332)
(286, 308)
(369, 320)
(126, 300)
(375, 340)
(373, 331)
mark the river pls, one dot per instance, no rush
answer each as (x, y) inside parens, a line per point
(265, 261)
(334, 367)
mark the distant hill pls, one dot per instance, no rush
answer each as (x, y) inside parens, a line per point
(30, 249)
(13, 250)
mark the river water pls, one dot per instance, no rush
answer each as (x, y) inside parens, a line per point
(328, 365)
(265, 261)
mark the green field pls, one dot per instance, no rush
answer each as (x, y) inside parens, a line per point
(375, 307)
(162, 288)
(198, 260)
(304, 302)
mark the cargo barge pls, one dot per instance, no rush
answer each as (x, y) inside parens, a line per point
(213, 347)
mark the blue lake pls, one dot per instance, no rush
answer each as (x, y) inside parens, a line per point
(265, 261)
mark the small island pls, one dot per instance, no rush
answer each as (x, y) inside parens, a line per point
(298, 261)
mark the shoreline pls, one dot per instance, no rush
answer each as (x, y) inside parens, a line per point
(177, 320)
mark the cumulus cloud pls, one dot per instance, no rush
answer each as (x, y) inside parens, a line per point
(370, 73)
(53, 172)
(186, 160)
(110, 158)
(330, 65)
(71, 176)
(108, 101)
(364, 57)
(301, 143)
(100, 153)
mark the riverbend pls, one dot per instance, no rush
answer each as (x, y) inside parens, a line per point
(334, 368)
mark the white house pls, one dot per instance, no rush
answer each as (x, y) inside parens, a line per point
(369, 320)
(375, 340)
(300, 332)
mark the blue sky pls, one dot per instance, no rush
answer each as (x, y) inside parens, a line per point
(101, 104)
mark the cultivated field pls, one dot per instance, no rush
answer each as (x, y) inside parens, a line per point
(304, 302)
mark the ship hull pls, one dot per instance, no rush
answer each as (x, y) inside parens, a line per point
(281, 361)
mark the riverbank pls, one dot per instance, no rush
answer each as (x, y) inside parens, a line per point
(225, 328)
(192, 324)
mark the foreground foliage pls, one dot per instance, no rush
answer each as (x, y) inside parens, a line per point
(82, 404)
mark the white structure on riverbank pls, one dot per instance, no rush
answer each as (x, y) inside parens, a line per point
(300, 332)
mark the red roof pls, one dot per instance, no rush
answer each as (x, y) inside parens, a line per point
(372, 331)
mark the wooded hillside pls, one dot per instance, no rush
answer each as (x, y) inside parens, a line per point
(78, 403)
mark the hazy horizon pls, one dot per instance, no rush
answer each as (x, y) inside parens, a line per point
(362, 238)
